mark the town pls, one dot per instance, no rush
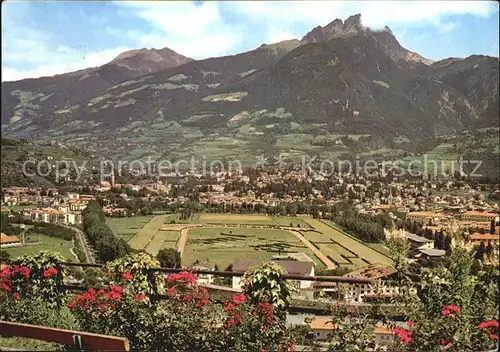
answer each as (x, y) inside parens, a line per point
(250, 176)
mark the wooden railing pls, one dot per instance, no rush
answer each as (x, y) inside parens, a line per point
(82, 341)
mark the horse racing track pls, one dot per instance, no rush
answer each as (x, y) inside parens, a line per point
(224, 238)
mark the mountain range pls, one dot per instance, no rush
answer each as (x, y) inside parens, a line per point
(339, 80)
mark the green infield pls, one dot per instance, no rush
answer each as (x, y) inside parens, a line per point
(224, 246)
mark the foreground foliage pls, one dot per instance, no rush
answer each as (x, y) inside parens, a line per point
(456, 308)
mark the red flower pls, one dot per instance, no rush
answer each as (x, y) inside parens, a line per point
(410, 323)
(229, 306)
(448, 309)
(104, 305)
(267, 311)
(184, 276)
(404, 335)
(114, 295)
(17, 296)
(22, 270)
(488, 323)
(5, 273)
(493, 336)
(188, 298)
(291, 345)
(6, 285)
(202, 302)
(239, 299)
(50, 272)
(139, 297)
(127, 276)
(444, 342)
(172, 291)
(116, 288)
(230, 323)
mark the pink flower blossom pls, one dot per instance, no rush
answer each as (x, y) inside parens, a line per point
(5, 273)
(116, 288)
(184, 276)
(25, 271)
(450, 308)
(50, 272)
(239, 299)
(403, 334)
(127, 276)
(139, 297)
(488, 324)
(5, 285)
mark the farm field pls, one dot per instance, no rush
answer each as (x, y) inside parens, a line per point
(126, 228)
(147, 233)
(343, 241)
(49, 243)
(223, 246)
(236, 219)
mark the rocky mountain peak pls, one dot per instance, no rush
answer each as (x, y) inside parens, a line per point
(335, 29)
(353, 26)
(150, 60)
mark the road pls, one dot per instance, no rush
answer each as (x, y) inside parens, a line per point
(89, 258)
(328, 263)
(182, 240)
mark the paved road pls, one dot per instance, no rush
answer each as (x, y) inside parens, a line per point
(328, 263)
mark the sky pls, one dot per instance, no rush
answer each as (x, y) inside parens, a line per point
(47, 38)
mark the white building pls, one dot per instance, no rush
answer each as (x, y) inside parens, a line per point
(50, 215)
(292, 267)
(359, 292)
(206, 279)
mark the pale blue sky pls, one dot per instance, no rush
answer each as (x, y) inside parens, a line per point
(47, 38)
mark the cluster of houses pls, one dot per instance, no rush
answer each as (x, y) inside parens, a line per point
(49, 208)
(381, 286)
(300, 264)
